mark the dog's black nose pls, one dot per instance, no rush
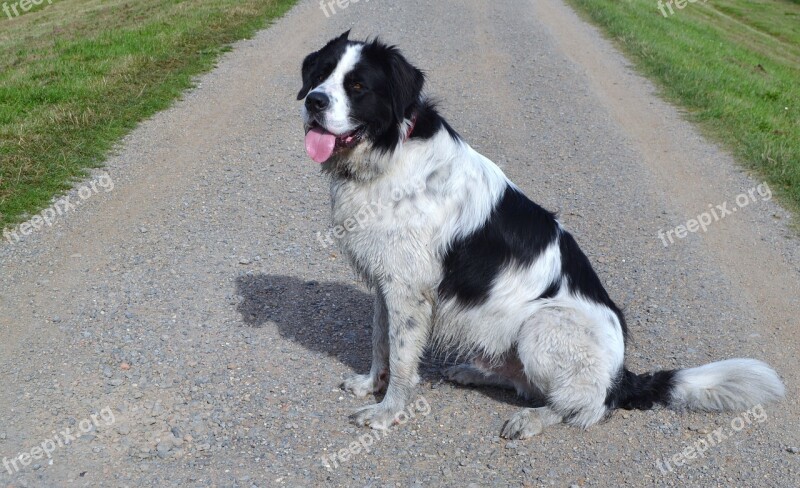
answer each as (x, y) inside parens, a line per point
(317, 102)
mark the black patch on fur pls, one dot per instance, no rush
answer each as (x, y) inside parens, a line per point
(390, 93)
(582, 279)
(517, 232)
(551, 290)
(429, 122)
(641, 392)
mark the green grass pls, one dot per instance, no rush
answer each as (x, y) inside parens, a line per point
(77, 75)
(733, 64)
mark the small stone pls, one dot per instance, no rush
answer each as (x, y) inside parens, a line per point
(699, 429)
(163, 448)
(123, 430)
(512, 445)
(793, 450)
(56, 319)
(244, 261)
(115, 381)
(124, 366)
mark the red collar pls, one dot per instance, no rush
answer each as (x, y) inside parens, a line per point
(411, 128)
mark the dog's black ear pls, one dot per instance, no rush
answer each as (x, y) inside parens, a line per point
(308, 67)
(303, 92)
(344, 36)
(406, 84)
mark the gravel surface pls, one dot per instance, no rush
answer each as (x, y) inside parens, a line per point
(190, 329)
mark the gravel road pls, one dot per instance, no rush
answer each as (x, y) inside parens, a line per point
(189, 329)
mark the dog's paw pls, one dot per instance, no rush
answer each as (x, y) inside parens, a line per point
(522, 425)
(464, 374)
(378, 416)
(362, 385)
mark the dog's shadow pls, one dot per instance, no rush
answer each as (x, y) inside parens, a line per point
(330, 318)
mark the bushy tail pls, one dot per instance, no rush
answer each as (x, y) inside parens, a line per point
(733, 384)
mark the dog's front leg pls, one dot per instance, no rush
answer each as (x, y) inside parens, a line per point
(362, 385)
(410, 316)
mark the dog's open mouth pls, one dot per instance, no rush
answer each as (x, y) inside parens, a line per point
(321, 144)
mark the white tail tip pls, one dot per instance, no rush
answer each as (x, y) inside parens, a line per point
(733, 384)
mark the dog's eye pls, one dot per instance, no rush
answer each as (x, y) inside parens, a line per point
(356, 86)
(324, 74)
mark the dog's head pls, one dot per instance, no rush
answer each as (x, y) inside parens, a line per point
(357, 95)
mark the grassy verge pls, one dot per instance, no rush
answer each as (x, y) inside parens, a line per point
(76, 75)
(733, 64)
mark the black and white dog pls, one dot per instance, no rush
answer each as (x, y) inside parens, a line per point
(461, 260)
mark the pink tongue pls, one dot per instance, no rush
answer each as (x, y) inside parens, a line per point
(320, 144)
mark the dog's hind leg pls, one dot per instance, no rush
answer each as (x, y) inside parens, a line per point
(472, 375)
(569, 354)
(482, 371)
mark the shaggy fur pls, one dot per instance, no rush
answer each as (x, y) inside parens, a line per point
(460, 259)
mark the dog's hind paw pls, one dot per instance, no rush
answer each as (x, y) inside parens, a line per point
(528, 423)
(465, 374)
(362, 385)
(522, 426)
